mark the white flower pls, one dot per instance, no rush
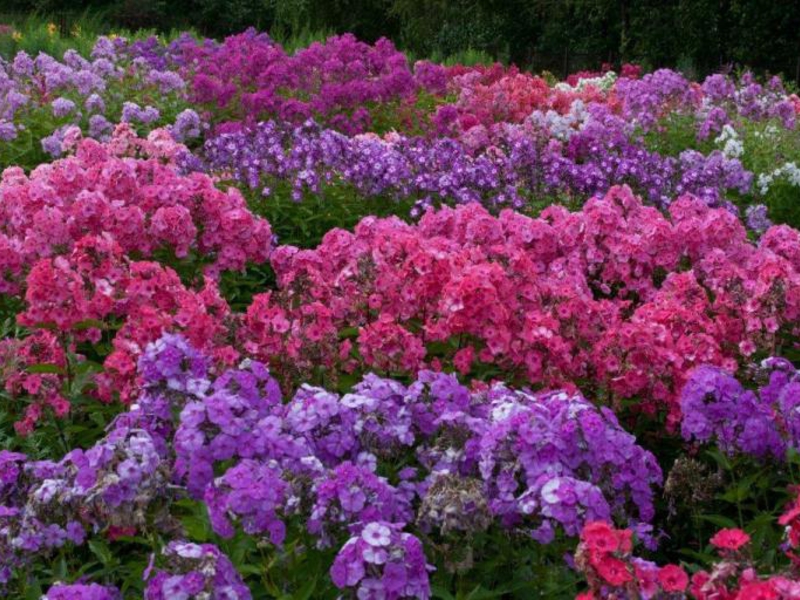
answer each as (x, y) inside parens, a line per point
(549, 490)
(376, 534)
(374, 555)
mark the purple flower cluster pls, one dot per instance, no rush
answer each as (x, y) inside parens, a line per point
(337, 81)
(254, 494)
(557, 460)
(42, 96)
(530, 462)
(46, 505)
(234, 419)
(716, 102)
(81, 591)
(521, 167)
(382, 562)
(762, 423)
(194, 571)
(351, 494)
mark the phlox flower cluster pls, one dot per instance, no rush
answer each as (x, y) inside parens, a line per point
(263, 468)
(762, 423)
(336, 441)
(382, 562)
(106, 488)
(43, 96)
(517, 166)
(511, 97)
(42, 390)
(81, 591)
(616, 294)
(129, 190)
(605, 558)
(95, 284)
(336, 81)
(530, 448)
(189, 571)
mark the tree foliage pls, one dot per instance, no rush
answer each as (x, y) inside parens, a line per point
(697, 35)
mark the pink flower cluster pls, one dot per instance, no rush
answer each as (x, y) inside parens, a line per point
(617, 295)
(131, 190)
(486, 99)
(96, 285)
(18, 361)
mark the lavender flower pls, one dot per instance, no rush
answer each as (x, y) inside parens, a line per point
(382, 562)
(349, 496)
(187, 125)
(716, 407)
(199, 571)
(81, 591)
(255, 495)
(554, 460)
(8, 132)
(763, 423)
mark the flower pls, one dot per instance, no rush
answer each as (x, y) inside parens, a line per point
(599, 536)
(376, 534)
(613, 570)
(730, 539)
(673, 578)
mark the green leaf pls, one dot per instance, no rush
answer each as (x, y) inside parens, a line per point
(45, 368)
(720, 521)
(720, 459)
(89, 324)
(440, 592)
(307, 590)
(33, 589)
(101, 551)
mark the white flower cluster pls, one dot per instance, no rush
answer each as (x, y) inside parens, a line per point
(790, 171)
(732, 146)
(604, 83)
(561, 126)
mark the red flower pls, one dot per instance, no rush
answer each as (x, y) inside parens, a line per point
(673, 578)
(613, 570)
(698, 588)
(730, 539)
(791, 514)
(600, 537)
(757, 590)
(116, 532)
(585, 596)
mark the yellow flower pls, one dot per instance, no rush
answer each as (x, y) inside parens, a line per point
(16, 36)
(76, 30)
(52, 28)
(112, 36)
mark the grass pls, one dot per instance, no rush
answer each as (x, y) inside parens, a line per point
(55, 34)
(34, 33)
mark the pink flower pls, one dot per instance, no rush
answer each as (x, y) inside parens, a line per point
(730, 539)
(673, 578)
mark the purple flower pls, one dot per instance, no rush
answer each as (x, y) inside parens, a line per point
(81, 591)
(382, 562)
(194, 571)
(253, 494)
(350, 495)
(717, 408)
(8, 132)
